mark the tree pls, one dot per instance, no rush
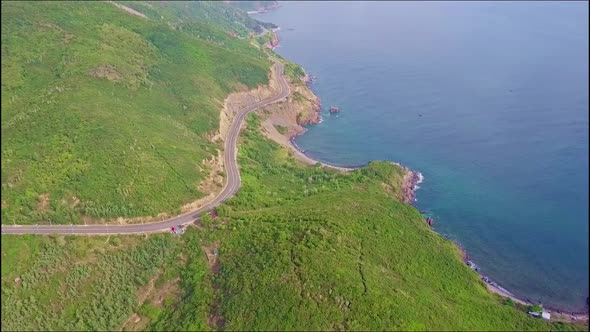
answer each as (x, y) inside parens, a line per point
(206, 220)
(535, 308)
(509, 302)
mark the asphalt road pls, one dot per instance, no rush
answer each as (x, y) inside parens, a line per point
(232, 184)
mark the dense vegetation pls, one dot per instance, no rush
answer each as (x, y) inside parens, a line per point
(300, 248)
(85, 283)
(253, 5)
(294, 71)
(106, 114)
(212, 13)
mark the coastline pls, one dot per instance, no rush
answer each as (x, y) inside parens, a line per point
(263, 9)
(301, 155)
(410, 184)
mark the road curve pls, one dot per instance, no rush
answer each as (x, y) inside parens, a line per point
(232, 184)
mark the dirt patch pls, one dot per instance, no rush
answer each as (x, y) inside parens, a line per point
(86, 220)
(74, 201)
(129, 10)
(214, 180)
(135, 323)
(144, 292)
(302, 107)
(269, 130)
(238, 100)
(68, 37)
(212, 184)
(290, 117)
(71, 202)
(215, 320)
(50, 26)
(212, 258)
(43, 203)
(162, 293)
(106, 71)
(15, 178)
(155, 296)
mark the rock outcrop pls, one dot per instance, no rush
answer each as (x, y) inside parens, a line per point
(301, 108)
(410, 183)
(273, 42)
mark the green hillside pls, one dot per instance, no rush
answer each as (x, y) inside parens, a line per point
(299, 248)
(253, 5)
(107, 114)
(309, 249)
(213, 13)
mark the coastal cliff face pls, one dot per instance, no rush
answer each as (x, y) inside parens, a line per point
(283, 121)
(274, 40)
(237, 100)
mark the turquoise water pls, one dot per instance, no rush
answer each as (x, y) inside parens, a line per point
(488, 100)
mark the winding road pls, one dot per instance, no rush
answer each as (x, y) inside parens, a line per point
(232, 184)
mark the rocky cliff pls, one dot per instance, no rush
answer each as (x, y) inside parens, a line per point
(286, 120)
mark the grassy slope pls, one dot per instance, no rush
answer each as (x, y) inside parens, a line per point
(94, 283)
(305, 248)
(219, 14)
(253, 5)
(127, 147)
(300, 248)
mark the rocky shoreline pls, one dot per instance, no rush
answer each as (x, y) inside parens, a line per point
(559, 315)
(410, 184)
(411, 178)
(273, 43)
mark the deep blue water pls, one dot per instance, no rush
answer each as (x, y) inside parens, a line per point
(502, 140)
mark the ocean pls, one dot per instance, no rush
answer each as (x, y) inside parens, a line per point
(488, 100)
